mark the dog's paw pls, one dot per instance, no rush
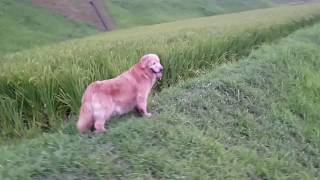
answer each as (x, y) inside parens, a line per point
(101, 130)
(147, 115)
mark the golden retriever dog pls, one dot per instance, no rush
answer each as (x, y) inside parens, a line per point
(126, 92)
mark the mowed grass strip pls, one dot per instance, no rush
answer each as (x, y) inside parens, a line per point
(256, 119)
(42, 88)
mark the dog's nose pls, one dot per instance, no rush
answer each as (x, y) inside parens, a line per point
(161, 70)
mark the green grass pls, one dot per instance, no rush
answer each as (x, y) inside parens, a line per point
(23, 26)
(256, 119)
(42, 88)
(128, 13)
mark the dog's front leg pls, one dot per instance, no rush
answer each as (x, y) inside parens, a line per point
(142, 106)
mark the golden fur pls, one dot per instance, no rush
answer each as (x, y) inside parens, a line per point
(130, 90)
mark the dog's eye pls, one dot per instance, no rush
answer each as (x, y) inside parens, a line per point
(154, 63)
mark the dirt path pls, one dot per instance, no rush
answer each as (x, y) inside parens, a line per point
(78, 10)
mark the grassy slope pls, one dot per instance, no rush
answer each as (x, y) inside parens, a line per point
(256, 119)
(40, 88)
(23, 26)
(141, 12)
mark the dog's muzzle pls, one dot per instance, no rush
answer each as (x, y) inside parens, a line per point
(158, 73)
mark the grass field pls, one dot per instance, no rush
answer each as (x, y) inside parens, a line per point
(23, 26)
(256, 119)
(42, 88)
(141, 12)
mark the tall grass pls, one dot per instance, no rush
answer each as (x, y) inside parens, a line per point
(44, 86)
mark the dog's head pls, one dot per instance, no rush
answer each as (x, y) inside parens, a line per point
(151, 64)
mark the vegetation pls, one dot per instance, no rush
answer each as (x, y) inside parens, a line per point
(141, 12)
(42, 88)
(256, 119)
(23, 26)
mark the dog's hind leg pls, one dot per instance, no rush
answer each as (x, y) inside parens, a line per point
(85, 121)
(100, 118)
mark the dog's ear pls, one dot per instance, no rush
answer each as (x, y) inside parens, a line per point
(144, 61)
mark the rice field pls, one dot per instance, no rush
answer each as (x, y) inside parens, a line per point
(41, 88)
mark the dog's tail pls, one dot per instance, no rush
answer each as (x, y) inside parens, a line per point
(85, 121)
